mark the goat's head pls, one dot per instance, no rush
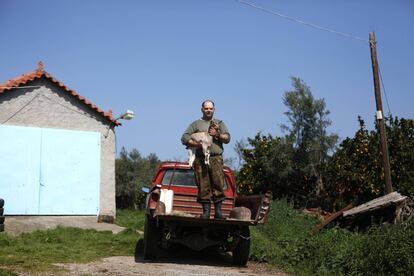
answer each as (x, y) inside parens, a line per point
(214, 124)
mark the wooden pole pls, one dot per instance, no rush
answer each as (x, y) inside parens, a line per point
(380, 115)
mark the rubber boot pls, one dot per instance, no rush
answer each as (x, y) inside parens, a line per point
(206, 210)
(217, 210)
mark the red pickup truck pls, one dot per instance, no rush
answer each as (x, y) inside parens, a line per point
(177, 219)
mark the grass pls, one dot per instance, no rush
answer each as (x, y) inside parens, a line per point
(279, 238)
(35, 252)
(130, 219)
(285, 242)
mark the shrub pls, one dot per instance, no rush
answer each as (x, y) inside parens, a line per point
(285, 241)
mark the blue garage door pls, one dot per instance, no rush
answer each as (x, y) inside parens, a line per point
(49, 171)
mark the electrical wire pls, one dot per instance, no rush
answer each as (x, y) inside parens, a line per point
(20, 109)
(52, 100)
(82, 113)
(323, 29)
(385, 93)
(71, 109)
(302, 22)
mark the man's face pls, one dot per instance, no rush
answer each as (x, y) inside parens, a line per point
(208, 110)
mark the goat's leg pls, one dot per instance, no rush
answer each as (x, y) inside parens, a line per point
(191, 156)
(208, 157)
(206, 151)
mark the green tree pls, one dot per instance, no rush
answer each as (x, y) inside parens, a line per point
(356, 170)
(400, 136)
(355, 162)
(292, 165)
(308, 118)
(132, 172)
(267, 165)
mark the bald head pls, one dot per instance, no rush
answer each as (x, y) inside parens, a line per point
(207, 101)
(207, 108)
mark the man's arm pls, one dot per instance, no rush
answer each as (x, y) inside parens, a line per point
(185, 138)
(224, 138)
(193, 144)
(222, 135)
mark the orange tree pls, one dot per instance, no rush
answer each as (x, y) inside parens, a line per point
(267, 165)
(356, 172)
(400, 135)
(354, 169)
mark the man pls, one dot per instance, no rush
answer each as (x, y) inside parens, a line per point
(210, 178)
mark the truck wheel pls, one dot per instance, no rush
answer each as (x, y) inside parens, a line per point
(242, 250)
(1, 202)
(139, 247)
(1, 219)
(1, 227)
(151, 237)
(1, 211)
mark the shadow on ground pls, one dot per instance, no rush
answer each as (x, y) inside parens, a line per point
(179, 254)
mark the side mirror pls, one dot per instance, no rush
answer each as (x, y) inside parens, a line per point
(145, 190)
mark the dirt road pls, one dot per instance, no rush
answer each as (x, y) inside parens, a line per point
(176, 261)
(171, 267)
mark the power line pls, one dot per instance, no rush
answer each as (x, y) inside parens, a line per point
(20, 109)
(71, 109)
(37, 95)
(302, 22)
(383, 88)
(319, 28)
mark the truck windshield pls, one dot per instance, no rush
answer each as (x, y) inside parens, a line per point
(182, 178)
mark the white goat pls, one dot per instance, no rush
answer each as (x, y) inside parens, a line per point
(206, 140)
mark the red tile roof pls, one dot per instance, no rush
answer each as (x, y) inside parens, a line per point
(37, 74)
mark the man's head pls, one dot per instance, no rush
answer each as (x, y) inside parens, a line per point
(207, 108)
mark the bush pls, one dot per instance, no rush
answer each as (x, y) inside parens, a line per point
(285, 242)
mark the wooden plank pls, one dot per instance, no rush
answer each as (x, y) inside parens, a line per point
(330, 219)
(376, 203)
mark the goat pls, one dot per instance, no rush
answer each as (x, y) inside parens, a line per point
(206, 141)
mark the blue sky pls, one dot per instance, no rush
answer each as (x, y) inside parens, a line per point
(163, 58)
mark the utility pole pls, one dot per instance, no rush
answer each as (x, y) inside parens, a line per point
(380, 116)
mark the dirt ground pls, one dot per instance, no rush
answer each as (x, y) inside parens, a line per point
(177, 261)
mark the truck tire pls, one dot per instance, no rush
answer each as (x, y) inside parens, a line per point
(1, 227)
(1, 202)
(1, 211)
(139, 248)
(1, 219)
(242, 250)
(151, 238)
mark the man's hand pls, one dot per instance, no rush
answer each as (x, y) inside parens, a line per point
(194, 144)
(213, 132)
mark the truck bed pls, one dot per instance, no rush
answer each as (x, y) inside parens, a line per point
(187, 203)
(186, 209)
